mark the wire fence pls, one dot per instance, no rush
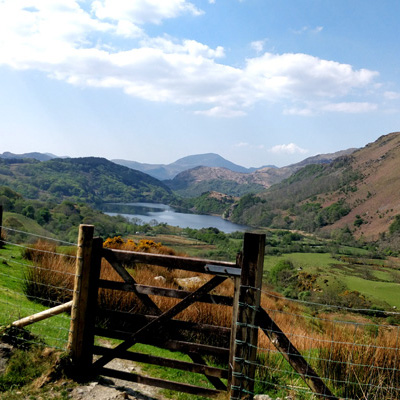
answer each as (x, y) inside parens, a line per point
(354, 351)
(356, 357)
(36, 274)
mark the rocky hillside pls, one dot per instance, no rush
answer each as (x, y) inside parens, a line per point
(357, 192)
(169, 171)
(375, 198)
(195, 181)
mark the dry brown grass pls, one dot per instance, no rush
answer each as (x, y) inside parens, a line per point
(360, 360)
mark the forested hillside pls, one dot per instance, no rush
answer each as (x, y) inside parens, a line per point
(48, 218)
(90, 179)
(358, 193)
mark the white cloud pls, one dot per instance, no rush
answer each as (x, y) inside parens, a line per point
(221, 112)
(350, 108)
(322, 107)
(305, 76)
(392, 95)
(306, 29)
(305, 112)
(258, 45)
(60, 38)
(290, 148)
(142, 11)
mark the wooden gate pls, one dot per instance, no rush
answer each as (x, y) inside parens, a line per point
(155, 327)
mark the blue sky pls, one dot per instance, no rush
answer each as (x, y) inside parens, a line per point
(257, 81)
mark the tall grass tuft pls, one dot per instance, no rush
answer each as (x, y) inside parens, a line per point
(49, 279)
(357, 359)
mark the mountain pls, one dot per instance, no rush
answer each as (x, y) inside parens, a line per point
(195, 181)
(88, 179)
(356, 192)
(34, 155)
(169, 171)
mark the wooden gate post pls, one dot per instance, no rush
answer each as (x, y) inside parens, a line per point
(245, 352)
(88, 262)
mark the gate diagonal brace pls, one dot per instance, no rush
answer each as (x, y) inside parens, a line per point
(156, 324)
(126, 276)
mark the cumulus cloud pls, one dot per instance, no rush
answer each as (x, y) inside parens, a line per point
(142, 11)
(80, 46)
(290, 148)
(305, 76)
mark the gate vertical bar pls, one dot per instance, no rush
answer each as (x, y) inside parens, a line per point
(252, 262)
(79, 309)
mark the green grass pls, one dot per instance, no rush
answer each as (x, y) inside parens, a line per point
(15, 305)
(309, 261)
(172, 374)
(27, 365)
(22, 223)
(376, 291)
(377, 280)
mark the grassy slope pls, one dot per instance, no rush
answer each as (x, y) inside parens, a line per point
(23, 223)
(367, 182)
(378, 280)
(14, 304)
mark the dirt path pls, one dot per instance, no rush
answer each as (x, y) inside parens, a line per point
(116, 389)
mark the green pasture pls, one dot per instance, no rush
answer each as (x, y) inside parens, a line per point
(377, 280)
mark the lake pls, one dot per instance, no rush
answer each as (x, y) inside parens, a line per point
(162, 213)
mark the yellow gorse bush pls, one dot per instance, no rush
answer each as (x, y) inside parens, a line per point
(144, 245)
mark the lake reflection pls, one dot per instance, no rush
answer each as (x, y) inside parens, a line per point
(162, 213)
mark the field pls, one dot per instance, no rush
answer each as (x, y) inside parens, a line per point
(377, 280)
(327, 337)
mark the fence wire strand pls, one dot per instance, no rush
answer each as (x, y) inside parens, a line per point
(37, 236)
(25, 287)
(355, 356)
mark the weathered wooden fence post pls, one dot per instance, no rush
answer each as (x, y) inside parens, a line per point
(1, 224)
(88, 262)
(252, 262)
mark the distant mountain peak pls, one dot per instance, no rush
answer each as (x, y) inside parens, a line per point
(34, 155)
(169, 171)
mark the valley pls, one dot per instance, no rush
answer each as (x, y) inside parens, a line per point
(329, 260)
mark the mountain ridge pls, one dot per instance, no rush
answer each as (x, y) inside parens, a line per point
(197, 180)
(88, 179)
(356, 192)
(169, 171)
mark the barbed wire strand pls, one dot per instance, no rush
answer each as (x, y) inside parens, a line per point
(38, 250)
(350, 362)
(10, 260)
(324, 305)
(38, 236)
